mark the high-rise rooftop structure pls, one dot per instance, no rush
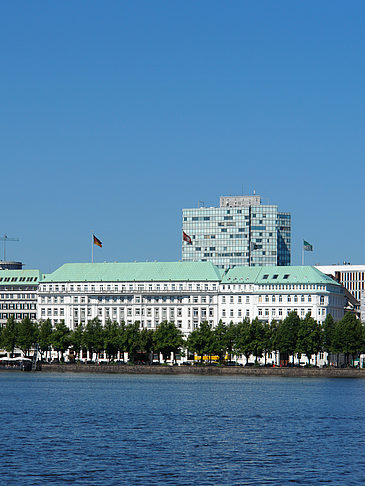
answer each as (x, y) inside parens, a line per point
(11, 265)
(242, 231)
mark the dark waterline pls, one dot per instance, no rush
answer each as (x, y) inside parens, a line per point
(180, 430)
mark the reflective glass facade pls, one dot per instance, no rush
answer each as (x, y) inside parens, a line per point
(242, 231)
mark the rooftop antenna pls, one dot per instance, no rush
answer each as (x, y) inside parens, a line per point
(5, 239)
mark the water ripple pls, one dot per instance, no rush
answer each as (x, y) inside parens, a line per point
(138, 430)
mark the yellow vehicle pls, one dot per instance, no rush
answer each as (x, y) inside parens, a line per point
(206, 358)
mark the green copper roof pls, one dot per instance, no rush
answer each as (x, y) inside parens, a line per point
(138, 272)
(19, 277)
(277, 275)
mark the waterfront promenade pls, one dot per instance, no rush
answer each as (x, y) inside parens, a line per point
(206, 370)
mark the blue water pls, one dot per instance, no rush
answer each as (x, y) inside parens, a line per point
(183, 430)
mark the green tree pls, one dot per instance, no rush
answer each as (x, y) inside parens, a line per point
(93, 337)
(201, 340)
(146, 342)
(338, 338)
(243, 343)
(27, 335)
(111, 342)
(122, 339)
(45, 336)
(257, 337)
(167, 339)
(309, 340)
(274, 338)
(287, 334)
(9, 335)
(61, 338)
(132, 340)
(231, 335)
(349, 336)
(77, 339)
(328, 330)
(221, 340)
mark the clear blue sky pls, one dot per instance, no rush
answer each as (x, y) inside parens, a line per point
(116, 115)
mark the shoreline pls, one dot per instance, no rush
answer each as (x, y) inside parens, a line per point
(205, 370)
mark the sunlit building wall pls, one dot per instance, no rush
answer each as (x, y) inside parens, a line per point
(242, 231)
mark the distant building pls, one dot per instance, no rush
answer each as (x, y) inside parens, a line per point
(274, 292)
(11, 265)
(185, 293)
(352, 277)
(242, 231)
(18, 294)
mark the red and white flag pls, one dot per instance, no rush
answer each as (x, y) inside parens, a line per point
(186, 238)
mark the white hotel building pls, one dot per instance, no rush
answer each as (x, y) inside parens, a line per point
(271, 293)
(185, 293)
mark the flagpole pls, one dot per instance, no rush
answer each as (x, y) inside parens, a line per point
(92, 248)
(302, 253)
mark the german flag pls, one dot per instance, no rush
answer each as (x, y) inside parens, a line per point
(97, 241)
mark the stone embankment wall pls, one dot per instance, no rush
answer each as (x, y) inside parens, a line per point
(205, 370)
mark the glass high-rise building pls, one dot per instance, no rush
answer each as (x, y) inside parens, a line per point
(242, 231)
